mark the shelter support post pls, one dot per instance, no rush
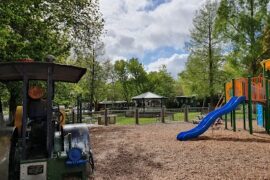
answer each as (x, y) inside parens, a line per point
(49, 111)
(25, 110)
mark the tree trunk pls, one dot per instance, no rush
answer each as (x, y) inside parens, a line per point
(92, 83)
(252, 41)
(211, 69)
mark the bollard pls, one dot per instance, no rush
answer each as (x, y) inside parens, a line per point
(186, 113)
(106, 117)
(137, 116)
(162, 115)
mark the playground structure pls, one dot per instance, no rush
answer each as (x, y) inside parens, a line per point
(239, 91)
(256, 90)
(40, 145)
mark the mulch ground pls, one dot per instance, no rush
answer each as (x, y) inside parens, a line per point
(152, 152)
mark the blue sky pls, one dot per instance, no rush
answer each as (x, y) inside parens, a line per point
(154, 31)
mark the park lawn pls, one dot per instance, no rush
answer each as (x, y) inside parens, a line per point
(122, 120)
(191, 116)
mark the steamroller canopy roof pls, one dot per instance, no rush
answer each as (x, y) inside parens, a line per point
(15, 71)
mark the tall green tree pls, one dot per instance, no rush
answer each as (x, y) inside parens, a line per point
(122, 75)
(266, 40)
(203, 68)
(40, 27)
(242, 23)
(162, 83)
(138, 75)
(26, 34)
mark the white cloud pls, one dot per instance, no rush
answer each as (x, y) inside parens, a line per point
(132, 31)
(174, 64)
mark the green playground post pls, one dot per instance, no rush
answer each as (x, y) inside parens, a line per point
(249, 106)
(244, 115)
(267, 104)
(231, 116)
(264, 110)
(233, 112)
(226, 127)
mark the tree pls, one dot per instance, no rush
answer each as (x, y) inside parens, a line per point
(25, 32)
(122, 75)
(3, 97)
(162, 83)
(100, 81)
(111, 75)
(138, 75)
(203, 68)
(37, 28)
(242, 23)
(266, 40)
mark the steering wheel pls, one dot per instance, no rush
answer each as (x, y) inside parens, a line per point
(59, 116)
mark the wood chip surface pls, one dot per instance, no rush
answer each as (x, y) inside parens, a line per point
(152, 152)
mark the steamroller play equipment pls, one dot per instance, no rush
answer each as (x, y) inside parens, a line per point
(40, 146)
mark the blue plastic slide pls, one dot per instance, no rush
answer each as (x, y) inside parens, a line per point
(208, 120)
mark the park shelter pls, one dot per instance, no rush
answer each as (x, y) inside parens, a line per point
(149, 100)
(192, 101)
(116, 105)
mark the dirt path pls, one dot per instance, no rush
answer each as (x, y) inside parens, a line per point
(152, 152)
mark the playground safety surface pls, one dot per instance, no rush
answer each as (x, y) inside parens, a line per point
(152, 152)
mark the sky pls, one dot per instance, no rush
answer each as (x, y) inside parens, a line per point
(154, 31)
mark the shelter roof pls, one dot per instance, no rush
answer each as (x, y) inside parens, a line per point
(148, 95)
(15, 71)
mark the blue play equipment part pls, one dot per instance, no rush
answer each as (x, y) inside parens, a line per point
(259, 115)
(210, 119)
(74, 157)
(205, 120)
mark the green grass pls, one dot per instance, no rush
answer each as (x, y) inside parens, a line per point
(239, 114)
(191, 116)
(122, 120)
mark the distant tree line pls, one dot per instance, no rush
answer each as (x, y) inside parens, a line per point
(229, 39)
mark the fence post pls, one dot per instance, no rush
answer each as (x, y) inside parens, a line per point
(106, 117)
(186, 113)
(163, 115)
(137, 116)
